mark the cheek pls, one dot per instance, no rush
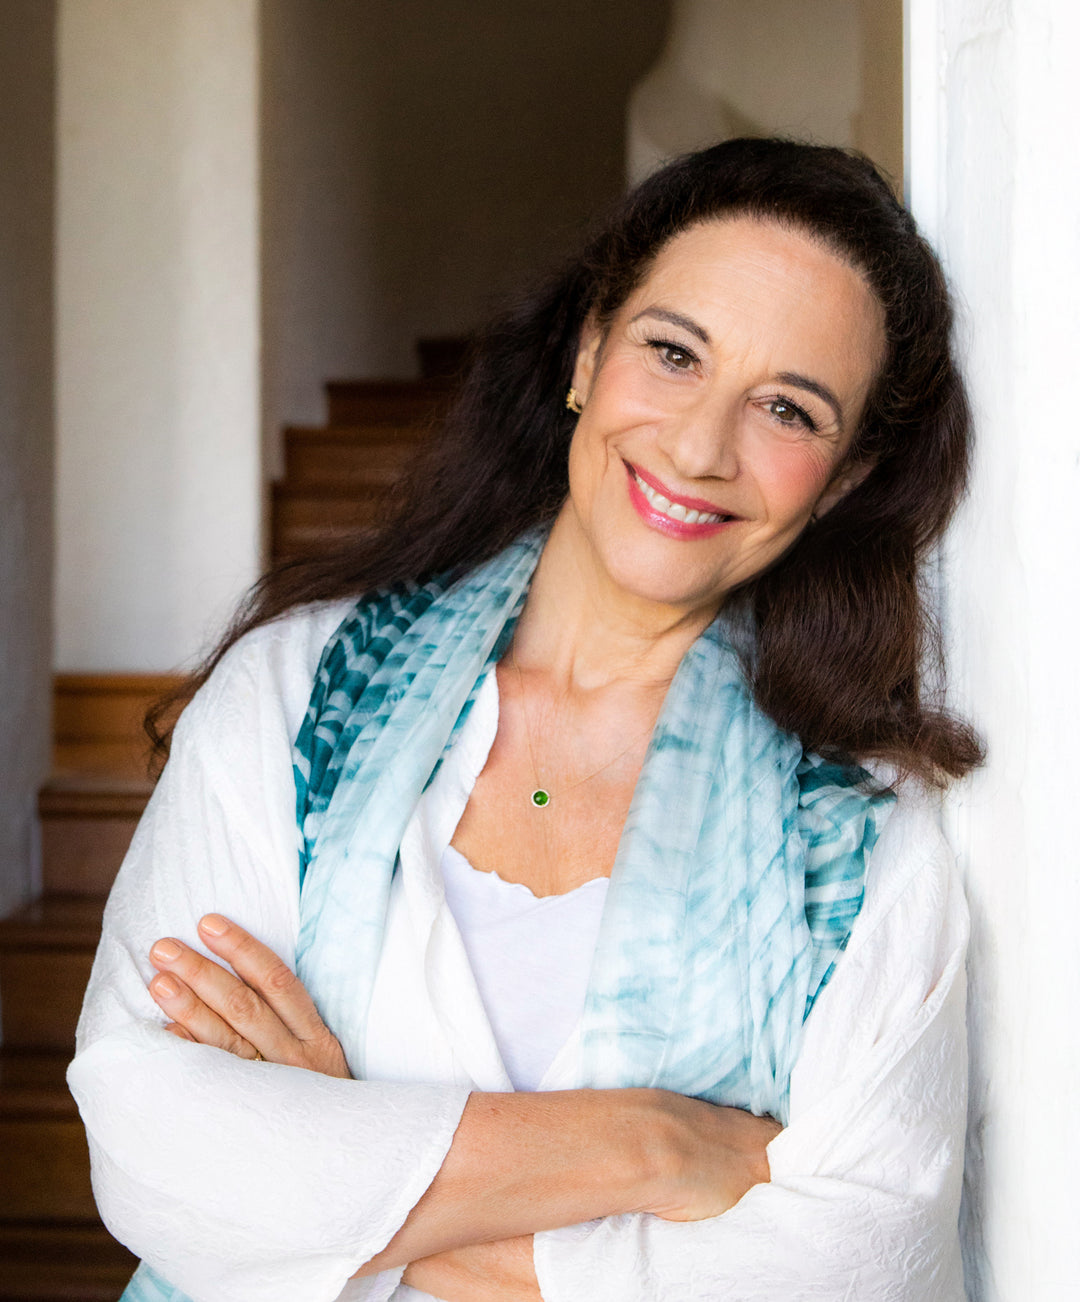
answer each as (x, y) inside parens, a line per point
(594, 465)
(585, 470)
(791, 478)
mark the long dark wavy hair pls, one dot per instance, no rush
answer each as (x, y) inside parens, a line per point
(843, 631)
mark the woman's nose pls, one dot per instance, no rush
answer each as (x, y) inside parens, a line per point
(702, 442)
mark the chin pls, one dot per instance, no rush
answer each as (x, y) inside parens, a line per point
(644, 575)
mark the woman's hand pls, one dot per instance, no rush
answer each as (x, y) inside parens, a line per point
(709, 1157)
(484, 1272)
(703, 1158)
(262, 1011)
(523, 1162)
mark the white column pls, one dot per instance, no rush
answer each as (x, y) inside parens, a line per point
(993, 104)
(158, 480)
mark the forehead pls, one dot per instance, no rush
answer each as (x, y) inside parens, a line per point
(771, 285)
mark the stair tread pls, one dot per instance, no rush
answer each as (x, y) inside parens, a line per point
(437, 386)
(62, 1263)
(54, 921)
(111, 683)
(375, 434)
(351, 402)
(324, 491)
(34, 1085)
(79, 794)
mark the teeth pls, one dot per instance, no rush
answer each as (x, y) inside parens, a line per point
(674, 510)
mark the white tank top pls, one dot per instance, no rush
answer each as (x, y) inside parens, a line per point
(530, 956)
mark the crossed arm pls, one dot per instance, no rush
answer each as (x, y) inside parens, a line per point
(265, 1183)
(519, 1163)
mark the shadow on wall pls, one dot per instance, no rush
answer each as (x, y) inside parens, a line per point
(27, 160)
(420, 160)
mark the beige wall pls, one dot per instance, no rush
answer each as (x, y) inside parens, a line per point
(420, 159)
(26, 429)
(158, 446)
(417, 161)
(830, 71)
(879, 120)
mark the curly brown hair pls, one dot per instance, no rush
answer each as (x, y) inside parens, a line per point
(844, 633)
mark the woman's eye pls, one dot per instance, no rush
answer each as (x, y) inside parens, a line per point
(788, 414)
(673, 357)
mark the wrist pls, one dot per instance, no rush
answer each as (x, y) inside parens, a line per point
(651, 1139)
(666, 1140)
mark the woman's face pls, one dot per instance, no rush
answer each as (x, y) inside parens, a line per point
(718, 409)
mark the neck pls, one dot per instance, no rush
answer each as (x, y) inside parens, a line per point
(586, 633)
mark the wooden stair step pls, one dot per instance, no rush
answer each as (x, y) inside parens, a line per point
(98, 721)
(87, 821)
(332, 510)
(335, 499)
(375, 434)
(311, 540)
(55, 922)
(62, 1263)
(45, 1174)
(33, 1086)
(46, 952)
(354, 402)
(444, 356)
(329, 456)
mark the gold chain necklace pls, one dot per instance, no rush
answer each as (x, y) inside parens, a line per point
(541, 797)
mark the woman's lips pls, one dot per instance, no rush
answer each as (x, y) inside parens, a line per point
(655, 505)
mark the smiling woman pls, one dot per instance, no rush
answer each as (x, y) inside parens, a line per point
(606, 971)
(730, 384)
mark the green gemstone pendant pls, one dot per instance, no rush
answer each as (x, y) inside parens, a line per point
(540, 798)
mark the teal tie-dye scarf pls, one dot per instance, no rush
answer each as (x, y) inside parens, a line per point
(737, 879)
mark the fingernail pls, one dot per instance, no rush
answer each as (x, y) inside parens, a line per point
(166, 951)
(214, 924)
(165, 986)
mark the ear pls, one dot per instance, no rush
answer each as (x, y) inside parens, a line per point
(849, 476)
(588, 355)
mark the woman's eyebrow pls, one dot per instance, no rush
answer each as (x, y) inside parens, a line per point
(676, 318)
(812, 386)
(785, 377)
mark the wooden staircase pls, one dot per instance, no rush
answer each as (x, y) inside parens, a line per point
(337, 474)
(53, 1247)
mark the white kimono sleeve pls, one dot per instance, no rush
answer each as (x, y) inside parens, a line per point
(865, 1189)
(238, 1180)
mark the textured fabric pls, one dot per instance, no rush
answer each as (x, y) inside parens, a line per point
(238, 1182)
(531, 958)
(708, 957)
(247, 1182)
(864, 1194)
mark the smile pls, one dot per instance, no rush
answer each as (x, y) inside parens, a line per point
(680, 518)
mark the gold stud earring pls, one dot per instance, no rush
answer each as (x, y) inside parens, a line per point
(573, 402)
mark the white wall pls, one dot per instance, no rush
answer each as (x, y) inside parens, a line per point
(158, 477)
(824, 70)
(994, 102)
(26, 430)
(422, 159)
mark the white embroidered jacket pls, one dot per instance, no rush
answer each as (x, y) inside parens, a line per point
(239, 1181)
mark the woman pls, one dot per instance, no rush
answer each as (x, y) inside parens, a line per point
(592, 896)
